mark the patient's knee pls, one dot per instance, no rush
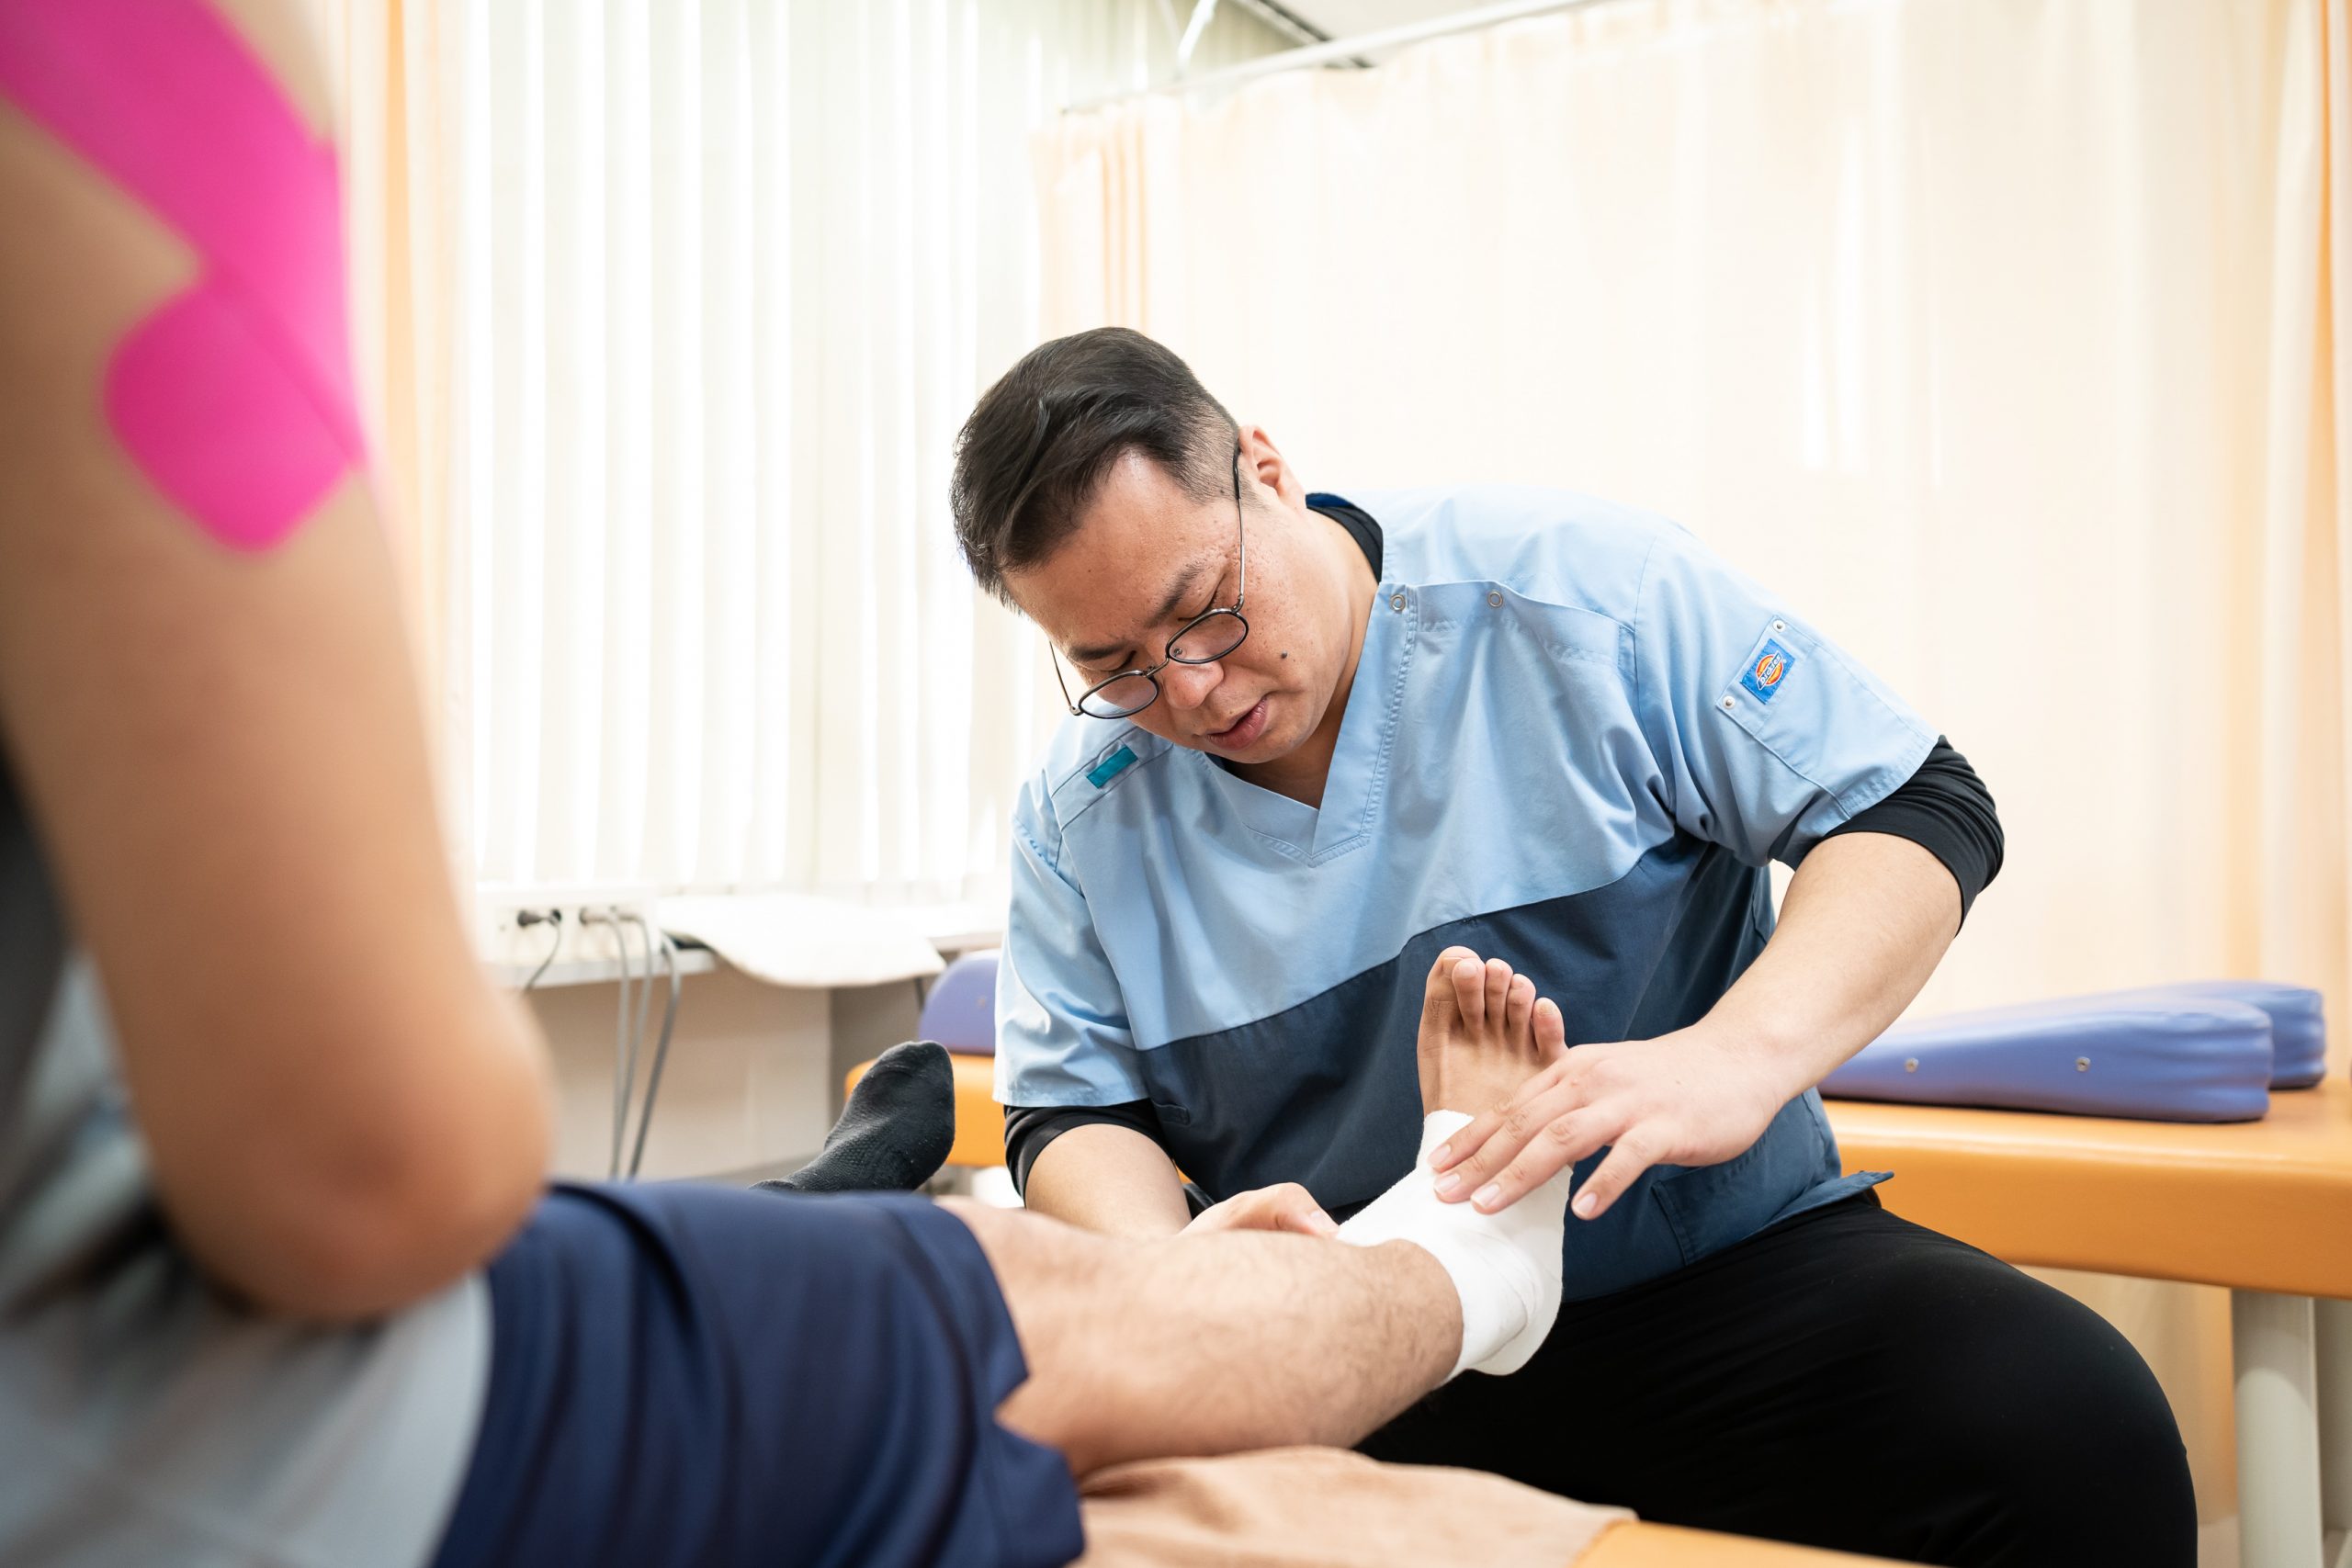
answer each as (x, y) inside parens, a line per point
(1062, 1287)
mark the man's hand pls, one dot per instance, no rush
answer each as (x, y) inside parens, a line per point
(1865, 919)
(1285, 1207)
(1687, 1097)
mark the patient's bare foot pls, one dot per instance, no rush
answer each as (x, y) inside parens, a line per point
(1483, 1034)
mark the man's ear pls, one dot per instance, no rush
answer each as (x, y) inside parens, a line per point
(1266, 464)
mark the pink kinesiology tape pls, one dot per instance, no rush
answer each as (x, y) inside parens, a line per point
(235, 397)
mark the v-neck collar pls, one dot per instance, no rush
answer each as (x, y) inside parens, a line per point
(1359, 774)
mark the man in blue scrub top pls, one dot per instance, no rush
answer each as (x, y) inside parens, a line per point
(1317, 738)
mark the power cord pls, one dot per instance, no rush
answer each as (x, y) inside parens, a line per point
(553, 920)
(623, 1041)
(661, 1049)
(629, 1032)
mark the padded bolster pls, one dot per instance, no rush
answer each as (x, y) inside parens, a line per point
(2298, 1030)
(960, 1010)
(2155, 1056)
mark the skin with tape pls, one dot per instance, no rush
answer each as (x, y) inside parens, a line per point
(235, 397)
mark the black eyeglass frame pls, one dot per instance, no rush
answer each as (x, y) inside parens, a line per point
(1240, 597)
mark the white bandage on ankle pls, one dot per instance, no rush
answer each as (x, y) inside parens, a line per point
(1506, 1267)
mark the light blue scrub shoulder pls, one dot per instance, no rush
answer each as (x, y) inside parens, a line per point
(1574, 740)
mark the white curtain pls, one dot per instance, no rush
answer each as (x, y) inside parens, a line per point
(725, 277)
(1994, 335)
(2004, 337)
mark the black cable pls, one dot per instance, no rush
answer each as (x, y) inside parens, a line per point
(552, 919)
(661, 1051)
(624, 1052)
(625, 1061)
(644, 995)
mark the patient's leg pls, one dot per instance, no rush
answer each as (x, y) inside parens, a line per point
(1211, 1343)
(1235, 1339)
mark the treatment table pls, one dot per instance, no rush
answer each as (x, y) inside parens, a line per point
(2262, 1207)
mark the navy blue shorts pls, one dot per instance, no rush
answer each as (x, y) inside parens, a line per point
(689, 1374)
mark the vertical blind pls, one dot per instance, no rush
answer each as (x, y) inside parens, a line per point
(728, 275)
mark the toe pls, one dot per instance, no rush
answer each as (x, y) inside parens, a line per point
(1517, 1009)
(1470, 991)
(1551, 1031)
(1440, 1008)
(1498, 976)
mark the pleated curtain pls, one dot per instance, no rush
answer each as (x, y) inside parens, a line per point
(672, 309)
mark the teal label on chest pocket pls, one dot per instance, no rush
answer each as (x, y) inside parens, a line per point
(1110, 767)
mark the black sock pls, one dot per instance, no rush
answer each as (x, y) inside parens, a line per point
(895, 1132)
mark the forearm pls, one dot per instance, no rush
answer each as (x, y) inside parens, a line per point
(1867, 919)
(1109, 1178)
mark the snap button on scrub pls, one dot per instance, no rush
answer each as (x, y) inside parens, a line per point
(1910, 1063)
(2082, 1064)
(1726, 704)
(1780, 626)
(1397, 603)
(1494, 600)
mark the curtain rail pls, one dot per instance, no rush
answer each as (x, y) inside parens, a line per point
(1341, 49)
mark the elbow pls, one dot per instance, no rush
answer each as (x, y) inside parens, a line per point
(401, 1238)
(361, 1225)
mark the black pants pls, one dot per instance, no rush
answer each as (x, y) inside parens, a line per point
(1848, 1380)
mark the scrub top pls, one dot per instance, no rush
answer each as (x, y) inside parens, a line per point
(1575, 740)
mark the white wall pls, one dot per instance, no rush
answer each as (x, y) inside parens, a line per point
(750, 1085)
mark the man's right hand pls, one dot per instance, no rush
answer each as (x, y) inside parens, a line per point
(1287, 1206)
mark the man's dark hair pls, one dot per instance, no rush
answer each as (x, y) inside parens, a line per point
(1041, 439)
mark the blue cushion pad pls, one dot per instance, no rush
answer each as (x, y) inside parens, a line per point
(2155, 1056)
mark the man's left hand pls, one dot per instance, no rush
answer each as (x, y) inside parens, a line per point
(1689, 1098)
(1287, 1206)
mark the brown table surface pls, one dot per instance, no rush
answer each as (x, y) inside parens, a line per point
(1640, 1544)
(2258, 1205)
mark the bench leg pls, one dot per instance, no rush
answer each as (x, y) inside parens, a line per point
(2273, 1341)
(2334, 1356)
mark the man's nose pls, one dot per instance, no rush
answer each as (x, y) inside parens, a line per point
(1189, 685)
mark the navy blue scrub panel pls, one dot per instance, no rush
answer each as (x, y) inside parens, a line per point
(1944, 808)
(690, 1374)
(1575, 740)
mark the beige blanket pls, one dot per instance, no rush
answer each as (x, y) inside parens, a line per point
(1326, 1508)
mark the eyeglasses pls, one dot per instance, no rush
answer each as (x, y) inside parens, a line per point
(1205, 638)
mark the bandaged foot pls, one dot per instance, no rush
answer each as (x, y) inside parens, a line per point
(1506, 1267)
(1483, 1035)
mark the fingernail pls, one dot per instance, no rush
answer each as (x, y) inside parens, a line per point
(1324, 1223)
(1437, 1155)
(1488, 1196)
(1585, 1204)
(1448, 1185)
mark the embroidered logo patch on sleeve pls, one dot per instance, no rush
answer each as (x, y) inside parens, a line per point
(1766, 671)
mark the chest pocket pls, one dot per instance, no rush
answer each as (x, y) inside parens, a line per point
(1708, 1207)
